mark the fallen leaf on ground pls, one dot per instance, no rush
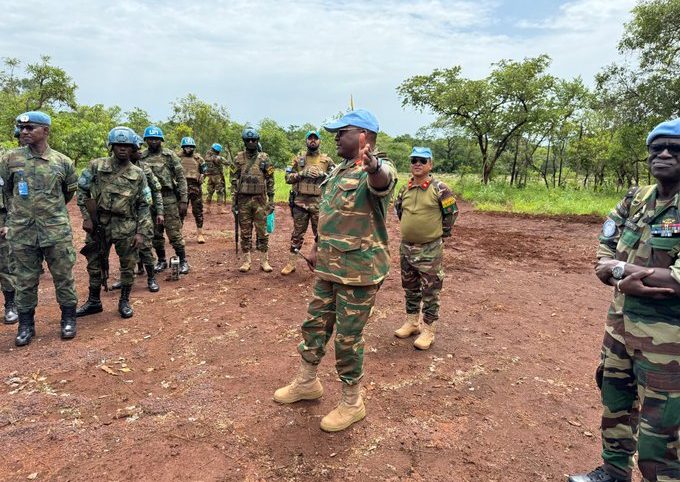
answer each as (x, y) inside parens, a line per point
(108, 370)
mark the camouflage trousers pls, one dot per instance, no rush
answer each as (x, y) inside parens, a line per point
(172, 226)
(217, 185)
(126, 254)
(346, 308)
(28, 261)
(196, 201)
(302, 217)
(252, 212)
(645, 386)
(422, 276)
(6, 267)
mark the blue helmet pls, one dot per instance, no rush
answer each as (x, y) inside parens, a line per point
(250, 133)
(153, 131)
(188, 142)
(122, 135)
(16, 132)
(216, 147)
(138, 141)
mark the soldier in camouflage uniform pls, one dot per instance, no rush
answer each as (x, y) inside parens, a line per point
(215, 172)
(194, 168)
(167, 167)
(120, 197)
(38, 182)
(639, 255)
(427, 210)
(351, 258)
(306, 174)
(252, 185)
(6, 275)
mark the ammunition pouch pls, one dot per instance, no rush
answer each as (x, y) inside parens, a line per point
(310, 186)
(252, 185)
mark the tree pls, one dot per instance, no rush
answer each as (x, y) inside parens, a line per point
(493, 110)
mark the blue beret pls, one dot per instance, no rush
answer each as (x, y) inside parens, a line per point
(313, 133)
(34, 117)
(357, 118)
(424, 152)
(669, 128)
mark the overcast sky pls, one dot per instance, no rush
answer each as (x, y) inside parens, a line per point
(299, 62)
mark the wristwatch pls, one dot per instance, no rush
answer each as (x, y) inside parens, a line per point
(618, 270)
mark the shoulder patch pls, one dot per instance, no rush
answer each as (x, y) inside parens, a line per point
(609, 228)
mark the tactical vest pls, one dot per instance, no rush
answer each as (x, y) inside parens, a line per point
(161, 166)
(214, 164)
(252, 176)
(116, 192)
(190, 166)
(311, 185)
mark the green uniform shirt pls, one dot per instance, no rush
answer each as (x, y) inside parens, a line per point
(353, 244)
(167, 167)
(38, 218)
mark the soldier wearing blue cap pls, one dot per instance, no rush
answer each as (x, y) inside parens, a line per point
(305, 175)
(38, 182)
(351, 259)
(216, 185)
(427, 210)
(639, 254)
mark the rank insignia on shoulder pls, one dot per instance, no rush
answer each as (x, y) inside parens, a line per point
(609, 228)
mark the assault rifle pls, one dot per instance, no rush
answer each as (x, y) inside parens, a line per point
(98, 244)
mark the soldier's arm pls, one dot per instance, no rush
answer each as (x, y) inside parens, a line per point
(180, 180)
(142, 215)
(399, 202)
(613, 226)
(155, 186)
(449, 208)
(292, 173)
(382, 183)
(84, 191)
(69, 185)
(4, 178)
(234, 176)
(269, 181)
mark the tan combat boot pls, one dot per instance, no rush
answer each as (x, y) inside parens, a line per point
(410, 327)
(245, 267)
(350, 409)
(290, 267)
(201, 239)
(306, 386)
(426, 337)
(264, 263)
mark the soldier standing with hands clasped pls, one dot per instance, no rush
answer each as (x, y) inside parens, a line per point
(351, 259)
(427, 210)
(194, 168)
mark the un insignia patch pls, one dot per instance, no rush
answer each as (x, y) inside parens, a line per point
(609, 228)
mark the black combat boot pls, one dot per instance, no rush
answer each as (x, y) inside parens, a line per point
(92, 305)
(140, 268)
(26, 328)
(68, 322)
(162, 264)
(151, 279)
(183, 265)
(11, 315)
(116, 285)
(124, 307)
(597, 475)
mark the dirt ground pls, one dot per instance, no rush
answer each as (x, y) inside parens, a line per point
(183, 390)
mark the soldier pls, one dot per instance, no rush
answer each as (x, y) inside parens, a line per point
(351, 259)
(194, 168)
(38, 182)
(167, 167)
(306, 174)
(639, 255)
(427, 210)
(215, 172)
(252, 185)
(6, 275)
(114, 200)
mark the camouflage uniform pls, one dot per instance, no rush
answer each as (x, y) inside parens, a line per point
(193, 167)
(215, 172)
(252, 184)
(123, 198)
(167, 167)
(352, 261)
(422, 273)
(145, 253)
(306, 174)
(39, 225)
(6, 276)
(641, 346)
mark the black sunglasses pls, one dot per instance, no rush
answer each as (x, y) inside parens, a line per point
(673, 149)
(422, 160)
(28, 127)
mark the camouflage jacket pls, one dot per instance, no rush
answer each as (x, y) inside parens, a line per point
(194, 166)
(154, 186)
(167, 167)
(216, 164)
(306, 174)
(645, 233)
(253, 175)
(353, 246)
(122, 197)
(448, 209)
(38, 218)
